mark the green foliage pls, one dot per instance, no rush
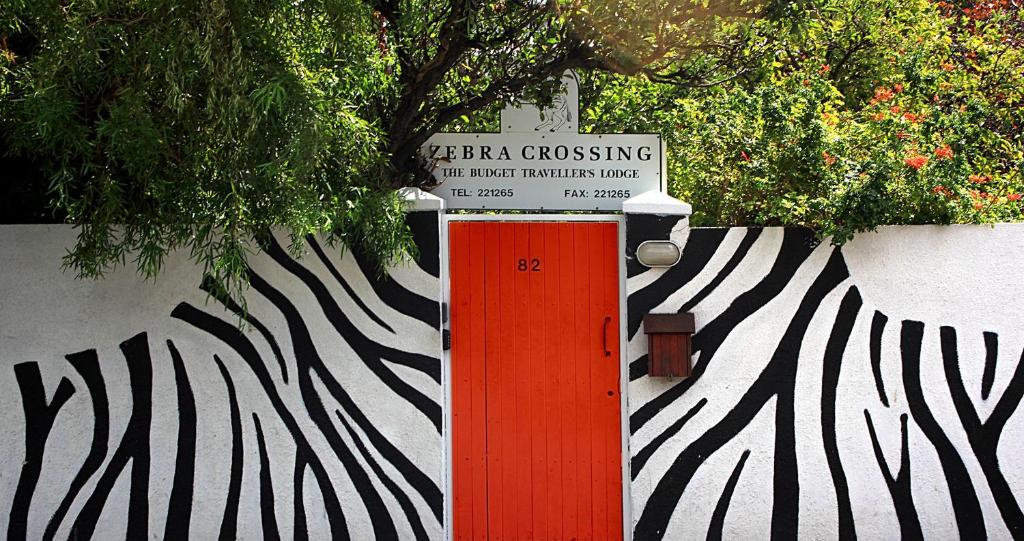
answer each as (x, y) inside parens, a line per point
(167, 124)
(178, 124)
(201, 125)
(870, 112)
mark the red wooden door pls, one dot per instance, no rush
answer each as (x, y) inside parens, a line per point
(535, 381)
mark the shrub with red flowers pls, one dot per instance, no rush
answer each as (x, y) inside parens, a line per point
(918, 118)
(916, 161)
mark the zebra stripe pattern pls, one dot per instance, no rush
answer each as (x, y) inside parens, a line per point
(322, 418)
(810, 412)
(815, 410)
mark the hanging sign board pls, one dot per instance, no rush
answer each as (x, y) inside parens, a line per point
(540, 162)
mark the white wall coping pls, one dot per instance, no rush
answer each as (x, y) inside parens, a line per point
(656, 202)
(417, 199)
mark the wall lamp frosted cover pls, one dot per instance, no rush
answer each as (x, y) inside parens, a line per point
(658, 253)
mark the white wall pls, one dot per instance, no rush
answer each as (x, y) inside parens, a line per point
(800, 353)
(350, 412)
(822, 405)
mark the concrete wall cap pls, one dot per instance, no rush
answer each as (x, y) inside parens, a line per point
(418, 199)
(655, 202)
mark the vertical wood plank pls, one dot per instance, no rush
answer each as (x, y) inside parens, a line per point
(523, 399)
(509, 413)
(537, 372)
(551, 382)
(461, 468)
(494, 385)
(676, 355)
(581, 359)
(613, 442)
(570, 434)
(477, 382)
(597, 383)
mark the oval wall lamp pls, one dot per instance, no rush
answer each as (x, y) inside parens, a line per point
(658, 253)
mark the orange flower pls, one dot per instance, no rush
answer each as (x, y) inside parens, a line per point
(878, 117)
(902, 134)
(806, 82)
(948, 66)
(1013, 197)
(895, 109)
(912, 118)
(944, 153)
(916, 161)
(829, 159)
(979, 205)
(979, 179)
(883, 94)
(824, 68)
(898, 87)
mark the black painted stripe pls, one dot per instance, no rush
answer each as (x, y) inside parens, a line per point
(234, 338)
(831, 370)
(700, 247)
(641, 458)
(267, 517)
(134, 447)
(722, 507)
(638, 368)
(403, 500)
(793, 252)
(300, 530)
(776, 380)
(39, 418)
(878, 322)
(785, 478)
(969, 518)
(899, 486)
(984, 437)
(229, 524)
(426, 233)
(222, 297)
(397, 296)
(88, 367)
(309, 360)
(179, 508)
(427, 488)
(369, 352)
(344, 284)
(988, 377)
(741, 252)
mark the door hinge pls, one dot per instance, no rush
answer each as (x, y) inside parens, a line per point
(446, 339)
(444, 312)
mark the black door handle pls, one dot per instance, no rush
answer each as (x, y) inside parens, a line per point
(607, 320)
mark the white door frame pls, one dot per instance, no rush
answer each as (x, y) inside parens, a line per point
(446, 355)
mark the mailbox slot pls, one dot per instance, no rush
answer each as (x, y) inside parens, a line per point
(668, 344)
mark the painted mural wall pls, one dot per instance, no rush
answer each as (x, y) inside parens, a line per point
(870, 391)
(138, 409)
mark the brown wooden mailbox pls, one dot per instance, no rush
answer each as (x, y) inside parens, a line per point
(668, 344)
